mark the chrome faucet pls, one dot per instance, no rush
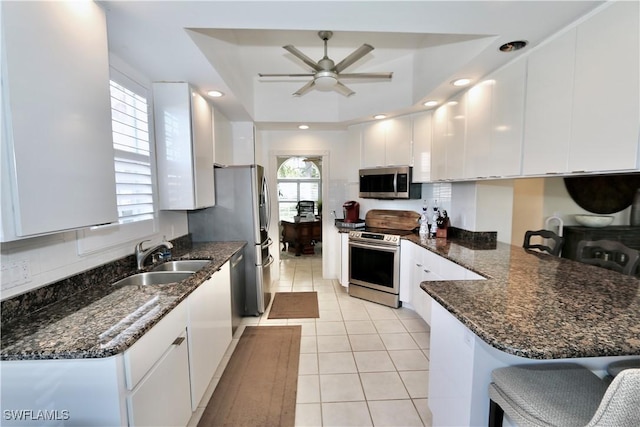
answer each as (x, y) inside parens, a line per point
(143, 254)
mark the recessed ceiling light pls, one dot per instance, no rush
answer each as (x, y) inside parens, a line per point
(513, 46)
(215, 93)
(303, 127)
(461, 82)
(452, 103)
(430, 103)
(379, 116)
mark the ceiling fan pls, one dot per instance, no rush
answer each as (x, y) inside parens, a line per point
(326, 73)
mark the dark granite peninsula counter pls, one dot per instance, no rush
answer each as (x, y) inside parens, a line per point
(531, 308)
(103, 320)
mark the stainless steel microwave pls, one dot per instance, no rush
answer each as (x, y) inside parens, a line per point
(388, 183)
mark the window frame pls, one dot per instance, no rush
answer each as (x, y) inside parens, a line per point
(297, 181)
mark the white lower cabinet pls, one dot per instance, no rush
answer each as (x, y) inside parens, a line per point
(344, 260)
(418, 265)
(153, 383)
(209, 330)
(157, 374)
(162, 397)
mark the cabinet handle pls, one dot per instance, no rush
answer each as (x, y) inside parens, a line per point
(418, 265)
(427, 271)
(178, 341)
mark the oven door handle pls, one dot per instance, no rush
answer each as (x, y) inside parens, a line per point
(388, 248)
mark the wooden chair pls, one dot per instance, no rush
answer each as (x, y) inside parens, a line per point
(563, 394)
(558, 241)
(609, 254)
(306, 206)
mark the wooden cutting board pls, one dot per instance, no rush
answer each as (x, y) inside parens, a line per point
(397, 220)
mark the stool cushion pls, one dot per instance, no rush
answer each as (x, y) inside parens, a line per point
(553, 394)
(616, 367)
(620, 405)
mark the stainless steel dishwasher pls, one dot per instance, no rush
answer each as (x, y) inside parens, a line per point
(238, 284)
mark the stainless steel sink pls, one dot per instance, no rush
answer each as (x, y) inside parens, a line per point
(191, 265)
(154, 278)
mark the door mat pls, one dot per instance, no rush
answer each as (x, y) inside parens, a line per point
(294, 305)
(260, 382)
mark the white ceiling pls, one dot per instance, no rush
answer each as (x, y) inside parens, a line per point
(426, 44)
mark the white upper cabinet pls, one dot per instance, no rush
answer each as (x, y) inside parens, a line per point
(184, 144)
(478, 139)
(605, 124)
(422, 136)
(507, 117)
(582, 105)
(547, 125)
(398, 141)
(387, 142)
(447, 162)
(373, 142)
(57, 147)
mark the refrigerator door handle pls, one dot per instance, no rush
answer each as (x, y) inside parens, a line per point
(267, 243)
(267, 203)
(269, 262)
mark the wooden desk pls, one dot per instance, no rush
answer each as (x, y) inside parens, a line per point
(301, 235)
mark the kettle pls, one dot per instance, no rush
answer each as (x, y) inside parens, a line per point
(351, 211)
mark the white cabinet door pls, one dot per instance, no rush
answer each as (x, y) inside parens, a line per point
(387, 142)
(209, 330)
(398, 137)
(547, 124)
(344, 265)
(605, 126)
(407, 250)
(477, 152)
(373, 144)
(447, 161)
(422, 135)
(57, 146)
(162, 398)
(439, 143)
(184, 136)
(457, 133)
(507, 118)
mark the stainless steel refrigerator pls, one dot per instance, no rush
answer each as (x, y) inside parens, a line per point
(242, 212)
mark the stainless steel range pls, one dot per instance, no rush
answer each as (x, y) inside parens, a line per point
(374, 265)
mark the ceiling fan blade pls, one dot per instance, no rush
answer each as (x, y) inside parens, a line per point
(301, 56)
(366, 75)
(304, 89)
(353, 57)
(286, 75)
(342, 89)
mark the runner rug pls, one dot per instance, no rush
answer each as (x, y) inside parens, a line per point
(259, 384)
(294, 305)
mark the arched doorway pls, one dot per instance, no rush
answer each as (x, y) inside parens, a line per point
(299, 179)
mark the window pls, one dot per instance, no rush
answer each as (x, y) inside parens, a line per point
(130, 124)
(298, 179)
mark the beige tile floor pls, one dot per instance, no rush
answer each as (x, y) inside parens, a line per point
(361, 363)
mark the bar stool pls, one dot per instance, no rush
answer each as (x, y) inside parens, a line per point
(614, 368)
(609, 254)
(563, 395)
(558, 241)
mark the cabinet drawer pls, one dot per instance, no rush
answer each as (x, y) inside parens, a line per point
(148, 349)
(162, 397)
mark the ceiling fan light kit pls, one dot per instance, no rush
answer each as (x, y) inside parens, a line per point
(325, 73)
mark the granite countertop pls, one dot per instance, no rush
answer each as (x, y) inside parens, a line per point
(536, 305)
(105, 320)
